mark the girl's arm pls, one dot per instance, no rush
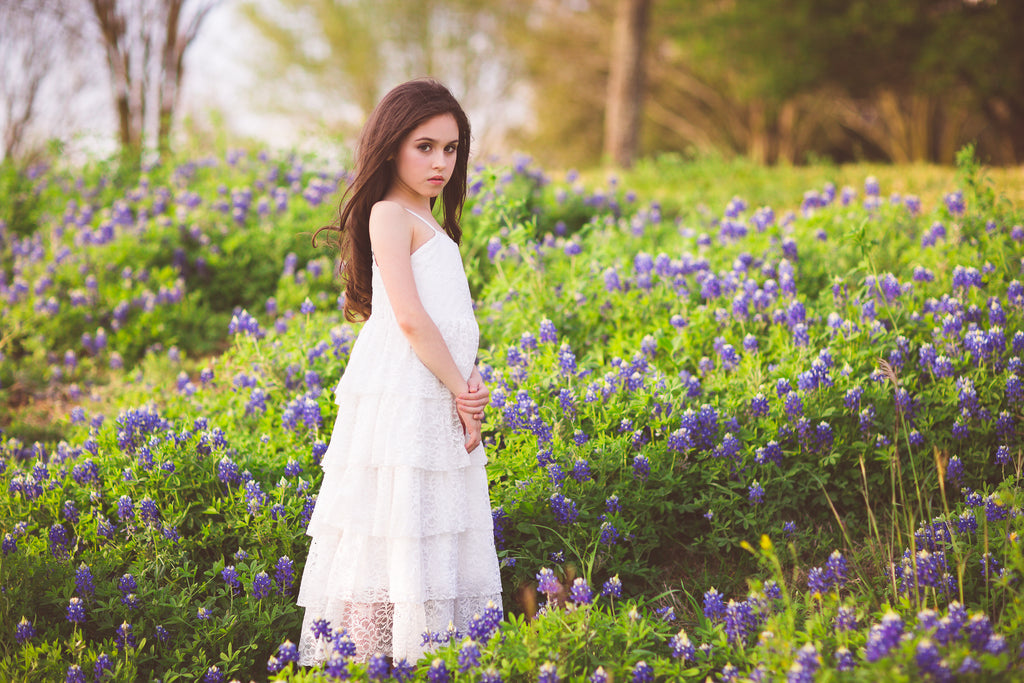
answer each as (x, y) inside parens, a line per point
(391, 235)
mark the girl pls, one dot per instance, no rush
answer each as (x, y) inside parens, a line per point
(403, 540)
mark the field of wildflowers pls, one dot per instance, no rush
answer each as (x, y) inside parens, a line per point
(745, 442)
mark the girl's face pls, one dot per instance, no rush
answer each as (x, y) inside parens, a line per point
(426, 157)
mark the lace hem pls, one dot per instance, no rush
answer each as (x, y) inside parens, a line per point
(388, 628)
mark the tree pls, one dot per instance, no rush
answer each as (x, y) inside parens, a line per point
(145, 42)
(340, 56)
(36, 38)
(626, 74)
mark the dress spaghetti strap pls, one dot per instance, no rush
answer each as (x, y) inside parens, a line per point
(428, 223)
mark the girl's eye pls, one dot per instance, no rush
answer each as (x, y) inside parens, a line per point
(451, 149)
(424, 147)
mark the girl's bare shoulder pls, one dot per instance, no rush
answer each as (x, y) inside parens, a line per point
(390, 221)
(388, 210)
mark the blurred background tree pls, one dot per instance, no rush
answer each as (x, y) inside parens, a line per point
(350, 52)
(580, 82)
(145, 42)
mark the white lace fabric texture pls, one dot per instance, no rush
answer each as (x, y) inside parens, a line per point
(402, 535)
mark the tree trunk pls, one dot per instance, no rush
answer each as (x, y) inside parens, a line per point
(757, 137)
(170, 67)
(626, 81)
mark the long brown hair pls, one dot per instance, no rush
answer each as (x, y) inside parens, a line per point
(400, 111)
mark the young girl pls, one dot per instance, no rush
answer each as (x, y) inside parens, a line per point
(403, 540)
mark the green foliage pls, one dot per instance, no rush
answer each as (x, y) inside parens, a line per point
(628, 344)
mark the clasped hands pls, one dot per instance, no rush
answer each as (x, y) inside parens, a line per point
(471, 406)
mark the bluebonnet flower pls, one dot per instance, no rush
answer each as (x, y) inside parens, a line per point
(342, 643)
(949, 627)
(739, 617)
(954, 469)
(804, 667)
(641, 467)
(58, 541)
(611, 279)
(548, 673)
(261, 585)
(203, 614)
(76, 611)
(844, 659)
(563, 508)
(1014, 391)
(74, 674)
(127, 584)
(883, 637)
(599, 676)
(84, 581)
(929, 661)
(481, 627)
(989, 566)
(667, 613)
(103, 665)
(609, 534)
(611, 503)
(254, 496)
(837, 569)
(729, 673)
(24, 631)
(230, 576)
(284, 575)
(771, 452)
(612, 588)
(320, 629)
(681, 647)
(403, 670)
(566, 360)
(755, 493)
(469, 655)
(759, 405)
(817, 582)
(548, 334)
(149, 513)
(680, 440)
(547, 582)
(966, 522)
(714, 607)
(995, 508)
(979, 630)
(793, 405)
(125, 508)
(213, 675)
(69, 511)
(438, 672)
(580, 592)
(996, 644)
(377, 668)
(642, 673)
(104, 528)
(954, 202)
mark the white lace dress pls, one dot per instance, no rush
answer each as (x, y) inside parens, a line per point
(402, 536)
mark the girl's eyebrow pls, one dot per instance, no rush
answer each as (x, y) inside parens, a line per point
(426, 139)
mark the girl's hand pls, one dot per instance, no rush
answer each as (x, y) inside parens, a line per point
(473, 401)
(471, 428)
